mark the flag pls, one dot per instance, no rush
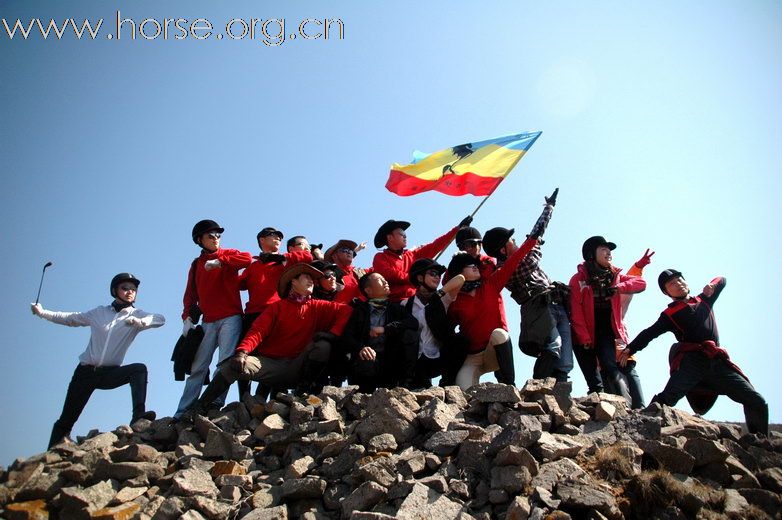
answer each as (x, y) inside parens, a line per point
(474, 168)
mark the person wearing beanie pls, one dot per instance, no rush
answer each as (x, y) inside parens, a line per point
(543, 304)
(394, 262)
(212, 290)
(381, 338)
(342, 254)
(441, 352)
(477, 312)
(288, 345)
(596, 315)
(113, 328)
(701, 368)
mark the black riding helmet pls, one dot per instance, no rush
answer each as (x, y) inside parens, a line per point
(421, 266)
(665, 277)
(205, 226)
(122, 277)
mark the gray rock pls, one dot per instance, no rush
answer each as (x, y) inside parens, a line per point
(768, 501)
(436, 482)
(581, 498)
(519, 509)
(673, 459)
(77, 473)
(455, 395)
(241, 481)
(307, 487)
(771, 479)
(90, 499)
(534, 387)
(370, 515)
(364, 497)
(473, 455)
(272, 513)
(496, 393)
(343, 463)
(543, 497)
(445, 443)
(127, 494)
(270, 424)
(517, 456)
(192, 482)
(523, 437)
(102, 440)
(424, 503)
(381, 471)
(551, 473)
(129, 470)
(553, 446)
(411, 462)
(498, 496)
(192, 515)
(735, 503)
(605, 411)
(395, 418)
(512, 479)
(435, 415)
(382, 442)
(135, 453)
(705, 451)
(300, 413)
(203, 425)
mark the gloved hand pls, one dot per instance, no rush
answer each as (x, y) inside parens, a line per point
(132, 321)
(324, 336)
(645, 260)
(187, 326)
(316, 246)
(466, 221)
(553, 199)
(237, 361)
(275, 258)
(36, 308)
(212, 264)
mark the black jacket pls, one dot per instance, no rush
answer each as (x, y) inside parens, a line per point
(356, 333)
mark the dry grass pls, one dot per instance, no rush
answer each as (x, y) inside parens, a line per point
(614, 463)
(652, 491)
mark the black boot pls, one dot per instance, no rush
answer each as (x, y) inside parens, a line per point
(619, 386)
(506, 373)
(545, 365)
(310, 378)
(217, 386)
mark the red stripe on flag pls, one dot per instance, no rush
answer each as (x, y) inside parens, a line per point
(463, 184)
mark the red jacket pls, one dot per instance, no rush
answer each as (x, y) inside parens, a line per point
(350, 281)
(582, 304)
(394, 266)
(287, 326)
(260, 280)
(216, 291)
(479, 314)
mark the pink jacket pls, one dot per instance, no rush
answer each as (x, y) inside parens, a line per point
(582, 305)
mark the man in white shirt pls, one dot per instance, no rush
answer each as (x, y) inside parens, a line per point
(113, 328)
(440, 351)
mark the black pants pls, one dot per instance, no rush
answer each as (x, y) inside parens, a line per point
(394, 365)
(86, 379)
(247, 322)
(719, 376)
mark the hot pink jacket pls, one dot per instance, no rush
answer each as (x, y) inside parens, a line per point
(582, 305)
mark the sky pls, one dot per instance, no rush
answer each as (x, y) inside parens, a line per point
(661, 126)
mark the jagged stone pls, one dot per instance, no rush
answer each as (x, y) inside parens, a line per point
(473, 455)
(242, 481)
(44, 485)
(395, 418)
(512, 479)
(127, 494)
(382, 442)
(535, 387)
(516, 456)
(519, 509)
(382, 471)
(272, 513)
(364, 497)
(223, 445)
(411, 463)
(307, 487)
(102, 440)
(424, 503)
(455, 395)
(768, 501)
(551, 473)
(135, 453)
(525, 432)
(77, 473)
(231, 493)
(192, 482)
(130, 470)
(328, 410)
(604, 411)
(771, 479)
(119, 512)
(459, 488)
(370, 515)
(95, 497)
(496, 393)
(553, 446)
(577, 416)
(211, 508)
(227, 467)
(435, 415)
(531, 408)
(299, 467)
(581, 498)
(543, 496)
(705, 451)
(498, 496)
(735, 503)
(199, 464)
(673, 459)
(445, 443)
(343, 463)
(29, 510)
(300, 413)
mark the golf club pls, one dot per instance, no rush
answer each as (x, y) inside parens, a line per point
(47, 264)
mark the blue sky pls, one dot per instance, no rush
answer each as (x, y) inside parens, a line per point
(661, 126)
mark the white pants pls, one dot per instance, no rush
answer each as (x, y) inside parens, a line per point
(482, 362)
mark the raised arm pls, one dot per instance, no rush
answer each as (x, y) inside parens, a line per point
(71, 319)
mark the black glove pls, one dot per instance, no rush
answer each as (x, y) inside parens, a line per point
(328, 337)
(275, 258)
(237, 361)
(316, 246)
(553, 199)
(466, 221)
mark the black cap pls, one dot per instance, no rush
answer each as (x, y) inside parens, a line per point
(495, 239)
(467, 234)
(265, 232)
(205, 226)
(386, 228)
(122, 277)
(460, 261)
(592, 243)
(665, 277)
(421, 266)
(323, 266)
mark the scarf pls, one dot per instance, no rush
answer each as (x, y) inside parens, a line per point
(470, 286)
(119, 306)
(299, 298)
(377, 303)
(600, 279)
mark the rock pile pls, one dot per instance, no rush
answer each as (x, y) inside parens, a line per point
(492, 452)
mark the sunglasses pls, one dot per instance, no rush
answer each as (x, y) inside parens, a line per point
(213, 235)
(345, 250)
(329, 275)
(435, 274)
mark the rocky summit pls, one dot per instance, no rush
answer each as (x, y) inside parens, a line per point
(492, 452)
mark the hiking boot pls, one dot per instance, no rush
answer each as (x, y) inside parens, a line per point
(150, 416)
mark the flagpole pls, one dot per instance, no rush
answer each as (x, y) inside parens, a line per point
(472, 215)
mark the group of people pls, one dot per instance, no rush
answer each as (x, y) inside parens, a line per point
(314, 318)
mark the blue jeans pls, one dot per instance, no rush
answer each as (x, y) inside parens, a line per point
(561, 334)
(225, 334)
